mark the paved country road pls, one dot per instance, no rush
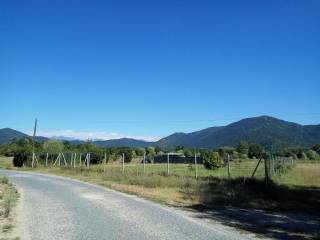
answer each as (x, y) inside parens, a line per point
(61, 208)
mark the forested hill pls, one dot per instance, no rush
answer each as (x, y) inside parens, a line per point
(7, 134)
(269, 132)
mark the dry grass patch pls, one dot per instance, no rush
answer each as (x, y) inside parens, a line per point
(8, 200)
(303, 174)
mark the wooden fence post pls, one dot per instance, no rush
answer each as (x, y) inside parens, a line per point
(266, 170)
(47, 159)
(144, 162)
(228, 158)
(255, 169)
(122, 162)
(104, 162)
(168, 161)
(196, 165)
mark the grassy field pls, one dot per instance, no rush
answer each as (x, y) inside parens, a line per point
(290, 190)
(303, 174)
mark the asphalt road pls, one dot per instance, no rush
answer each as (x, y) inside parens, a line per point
(61, 208)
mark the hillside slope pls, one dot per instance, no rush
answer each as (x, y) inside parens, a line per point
(7, 134)
(267, 131)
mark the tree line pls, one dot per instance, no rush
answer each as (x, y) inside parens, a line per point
(212, 158)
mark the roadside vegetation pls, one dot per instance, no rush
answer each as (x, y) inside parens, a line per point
(8, 199)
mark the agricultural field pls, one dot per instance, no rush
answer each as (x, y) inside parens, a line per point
(295, 188)
(182, 188)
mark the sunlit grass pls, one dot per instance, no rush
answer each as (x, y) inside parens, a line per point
(6, 162)
(303, 174)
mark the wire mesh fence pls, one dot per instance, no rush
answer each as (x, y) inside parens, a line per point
(233, 168)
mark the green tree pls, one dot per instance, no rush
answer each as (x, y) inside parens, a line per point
(53, 146)
(243, 149)
(212, 159)
(254, 151)
(151, 152)
(178, 148)
(316, 148)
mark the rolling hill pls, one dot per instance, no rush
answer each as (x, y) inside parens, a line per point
(123, 142)
(270, 132)
(7, 134)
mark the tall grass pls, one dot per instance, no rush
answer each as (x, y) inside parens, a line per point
(9, 196)
(9, 200)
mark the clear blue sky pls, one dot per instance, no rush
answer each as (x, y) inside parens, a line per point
(150, 68)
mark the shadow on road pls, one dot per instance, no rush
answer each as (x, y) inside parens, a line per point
(267, 224)
(274, 211)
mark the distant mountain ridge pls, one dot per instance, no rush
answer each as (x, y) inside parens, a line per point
(7, 134)
(123, 142)
(270, 132)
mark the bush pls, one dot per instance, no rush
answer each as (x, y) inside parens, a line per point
(19, 159)
(212, 160)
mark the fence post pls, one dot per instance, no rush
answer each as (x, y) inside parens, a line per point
(104, 162)
(272, 165)
(196, 165)
(32, 160)
(266, 170)
(80, 160)
(122, 162)
(88, 161)
(168, 160)
(229, 175)
(255, 169)
(74, 160)
(144, 162)
(71, 160)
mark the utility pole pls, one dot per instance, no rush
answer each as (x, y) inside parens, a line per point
(33, 142)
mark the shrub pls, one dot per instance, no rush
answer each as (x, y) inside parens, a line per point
(19, 159)
(212, 160)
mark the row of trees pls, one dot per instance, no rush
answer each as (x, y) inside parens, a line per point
(215, 157)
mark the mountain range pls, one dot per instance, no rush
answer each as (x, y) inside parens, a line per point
(270, 132)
